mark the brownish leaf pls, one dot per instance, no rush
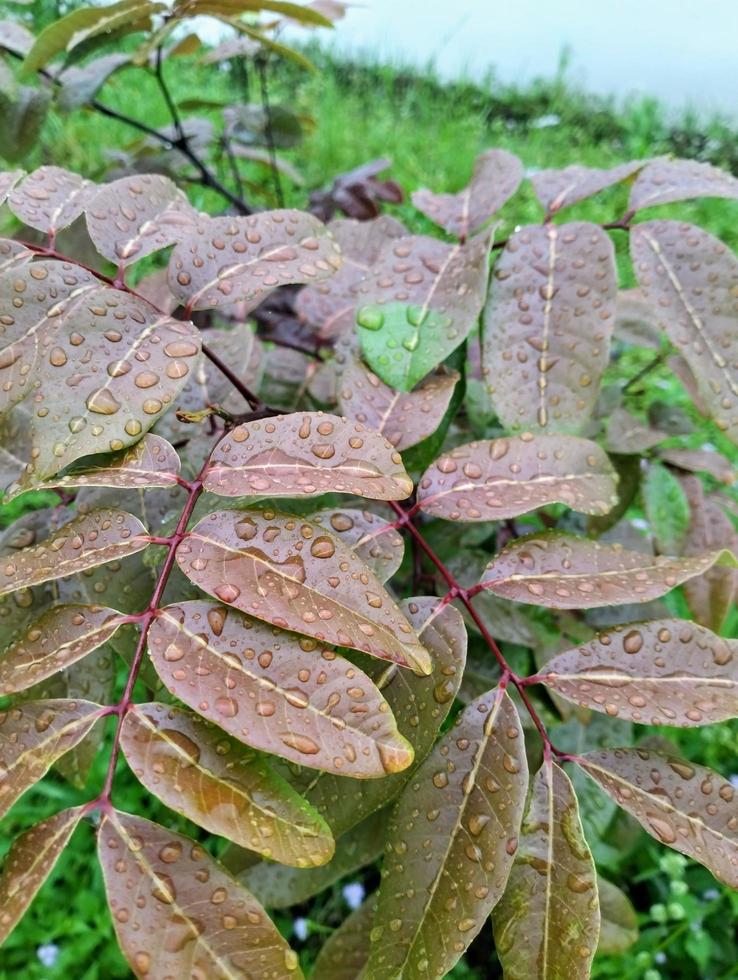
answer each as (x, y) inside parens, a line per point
(663, 181)
(547, 325)
(636, 320)
(177, 913)
(8, 178)
(628, 435)
(50, 198)
(619, 920)
(345, 952)
(80, 83)
(13, 254)
(494, 479)
(378, 545)
(566, 572)
(453, 837)
(548, 920)
(293, 574)
(215, 782)
(685, 806)
(276, 692)
(557, 189)
(701, 461)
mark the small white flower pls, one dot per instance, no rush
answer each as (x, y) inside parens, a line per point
(660, 958)
(353, 894)
(300, 929)
(48, 953)
(543, 122)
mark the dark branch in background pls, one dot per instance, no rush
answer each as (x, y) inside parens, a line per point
(261, 68)
(167, 96)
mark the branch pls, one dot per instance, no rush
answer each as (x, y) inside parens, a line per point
(264, 89)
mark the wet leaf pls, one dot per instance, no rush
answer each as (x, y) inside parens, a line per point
(619, 921)
(664, 672)
(61, 637)
(418, 303)
(50, 198)
(33, 736)
(664, 181)
(452, 836)
(667, 509)
(344, 953)
(547, 326)
(293, 574)
(557, 189)
(8, 178)
(562, 571)
(404, 418)
(178, 913)
(230, 260)
(629, 436)
(495, 179)
(547, 922)
(494, 479)
(370, 537)
(93, 539)
(701, 461)
(693, 279)
(683, 805)
(276, 692)
(636, 320)
(13, 254)
(29, 863)
(306, 455)
(220, 786)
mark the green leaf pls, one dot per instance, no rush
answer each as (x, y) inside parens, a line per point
(667, 508)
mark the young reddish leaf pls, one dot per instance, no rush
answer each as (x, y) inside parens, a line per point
(13, 254)
(80, 83)
(222, 787)
(178, 913)
(94, 539)
(628, 435)
(562, 571)
(557, 189)
(61, 637)
(453, 836)
(419, 302)
(547, 922)
(29, 863)
(404, 418)
(495, 179)
(33, 736)
(345, 952)
(306, 455)
(8, 178)
(291, 573)
(664, 672)
(664, 181)
(50, 198)
(135, 216)
(637, 320)
(701, 461)
(370, 537)
(276, 692)
(618, 919)
(547, 325)
(686, 806)
(232, 260)
(496, 479)
(693, 277)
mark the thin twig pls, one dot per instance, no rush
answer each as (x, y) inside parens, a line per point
(261, 68)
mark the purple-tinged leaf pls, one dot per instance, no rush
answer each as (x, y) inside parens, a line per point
(293, 574)
(50, 198)
(701, 461)
(664, 672)
(547, 325)
(684, 373)
(61, 637)
(219, 785)
(24, 110)
(547, 922)
(664, 181)
(683, 805)
(29, 863)
(495, 179)
(16, 38)
(275, 691)
(557, 189)
(618, 919)
(13, 254)
(80, 83)
(230, 260)
(178, 913)
(8, 180)
(627, 435)
(305, 455)
(495, 479)
(693, 279)
(562, 571)
(637, 320)
(33, 736)
(453, 837)
(370, 537)
(345, 952)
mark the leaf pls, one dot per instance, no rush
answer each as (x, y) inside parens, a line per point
(305, 455)
(619, 922)
(686, 806)
(419, 301)
(636, 320)
(13, 254)
(218, 785)
(664, 181)
(664, 672)
(33, 736)
(562, 571)
(231, 260)
(495, 479)
(404, 418)
(89, 540)
(8, 180)
(547, 922)
(291, 573)
(80, 84)
(176, 911)
(344, 953)
(547, 325)
(15, 37)
(22, 118)
(495, 179)
(256, 154)
(29, 863)
(379, 545)
(628, 435)
(50, 198)
(61, 637)
(453, 836)
(667, 508)
(557, 189)
(693, 279)
(293, 11)
(701, 461)
(276, 692)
